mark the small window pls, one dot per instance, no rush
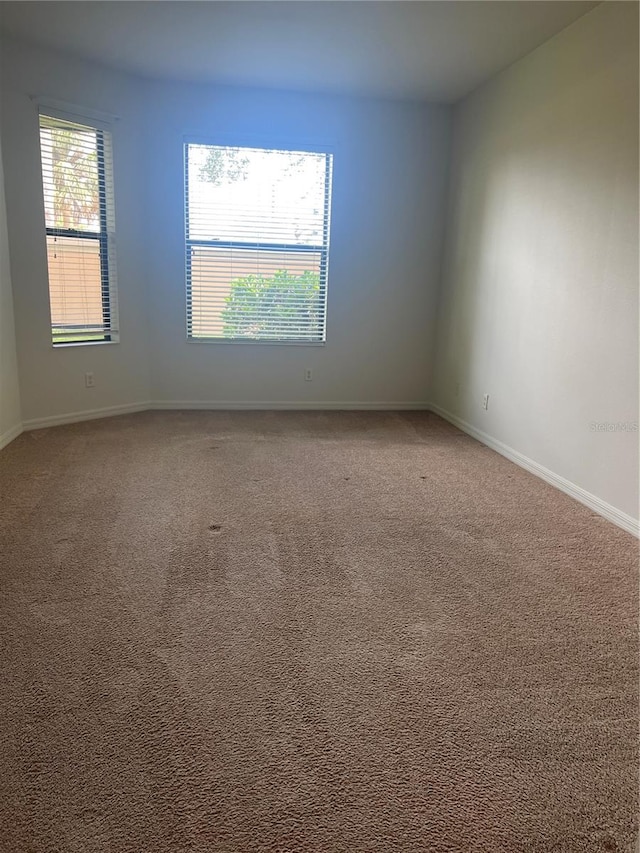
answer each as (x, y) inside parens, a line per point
(257, 243)
(78, 205)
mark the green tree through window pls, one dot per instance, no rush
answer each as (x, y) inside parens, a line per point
(260, 306)
(257, 243)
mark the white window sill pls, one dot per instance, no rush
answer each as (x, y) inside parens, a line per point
(73, 344)
(252, 342)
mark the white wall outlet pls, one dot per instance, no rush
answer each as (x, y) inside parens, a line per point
(308, 374)
(485, 402)
(89, 381)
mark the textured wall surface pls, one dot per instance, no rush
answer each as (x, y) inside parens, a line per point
(539, 303)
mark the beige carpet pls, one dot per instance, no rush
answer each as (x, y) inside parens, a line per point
(322, 632)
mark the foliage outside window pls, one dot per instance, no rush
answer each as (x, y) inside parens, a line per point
(78, 205)
(257, 241)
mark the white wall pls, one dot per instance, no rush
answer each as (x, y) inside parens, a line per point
(388, 189)
(10, 415)
(539, 304)
(390, 168)
(52, 380)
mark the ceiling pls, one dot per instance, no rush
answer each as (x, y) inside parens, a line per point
(437, 50)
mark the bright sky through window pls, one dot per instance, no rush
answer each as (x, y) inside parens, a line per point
(283, 191)
(79, 219)
(257, 238)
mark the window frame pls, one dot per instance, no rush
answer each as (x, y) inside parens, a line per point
(328, 152)
(101, 124)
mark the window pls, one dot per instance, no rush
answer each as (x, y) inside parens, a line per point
(257, 243)
(78, 205)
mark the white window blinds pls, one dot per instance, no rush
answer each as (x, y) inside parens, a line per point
(257, 243)
(77, 181)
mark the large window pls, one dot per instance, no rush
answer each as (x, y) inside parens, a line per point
(257, 242)
(78, 205)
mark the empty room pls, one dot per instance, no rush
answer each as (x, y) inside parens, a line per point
(319, 427)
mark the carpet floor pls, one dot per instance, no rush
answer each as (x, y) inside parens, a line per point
(308, 633)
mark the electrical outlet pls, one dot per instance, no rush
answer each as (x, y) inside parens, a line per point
(89, 381)
(308, 374)
(485, 402)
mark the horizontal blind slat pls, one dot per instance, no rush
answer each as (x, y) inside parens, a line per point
(78, 200)
(272, 209)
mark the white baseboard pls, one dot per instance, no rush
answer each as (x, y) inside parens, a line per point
(230, 405)
(292, 405)
(87, 415)
(608, 511)
(8, 436)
